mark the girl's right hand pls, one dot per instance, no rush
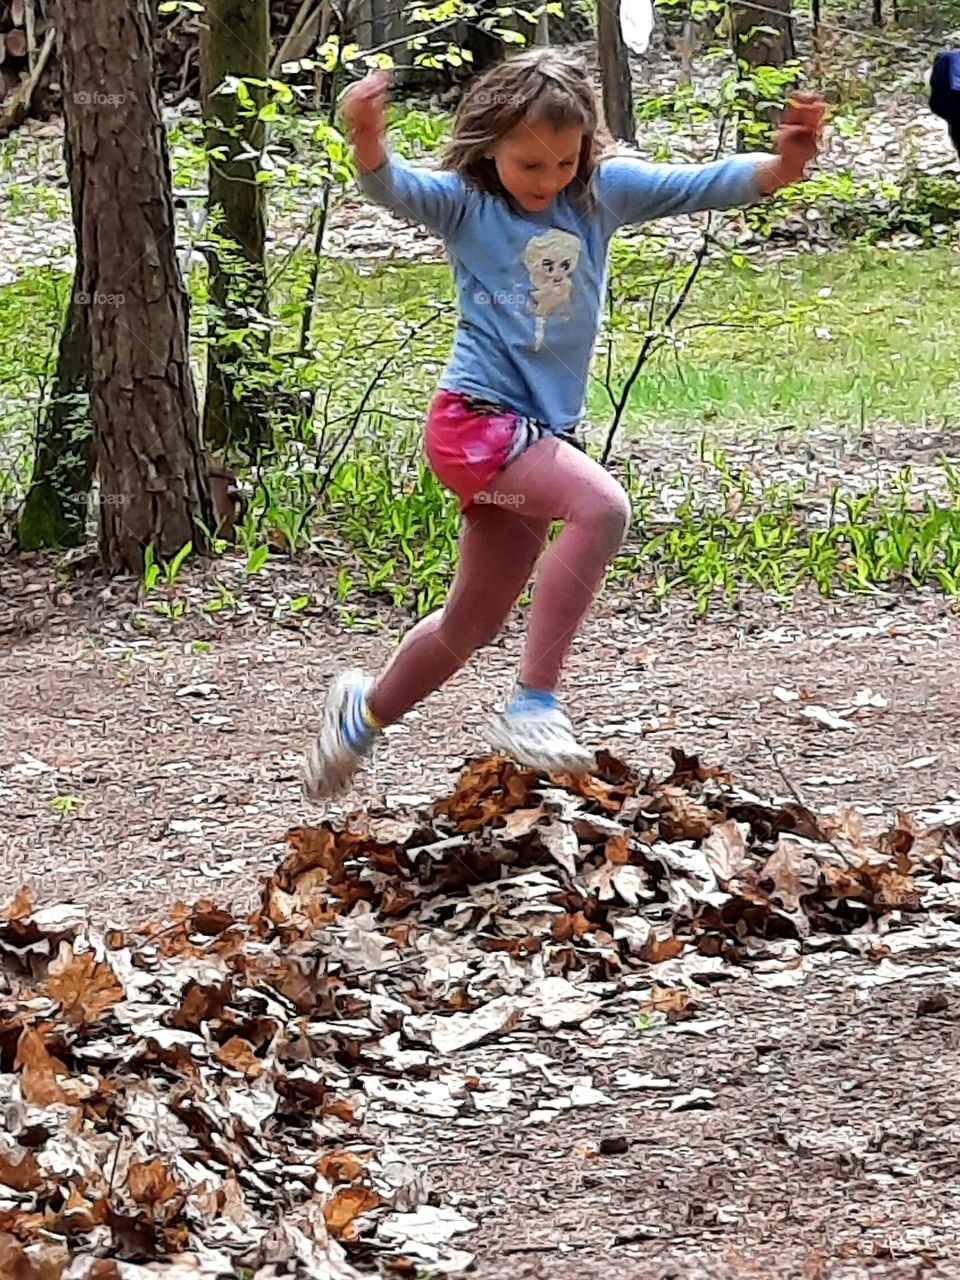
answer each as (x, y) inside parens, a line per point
(363, 106)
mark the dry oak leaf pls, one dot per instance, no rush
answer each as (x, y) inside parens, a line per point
(793, 872)
(20, 907)
(342, 1166)
(77, 1216)
(665, 1000)
(344, 1207)
(84, 988)
(238, 1054)
(44, 1263)
(150, 1184)
(659, 949)
(41, 1072)
(19, 1170)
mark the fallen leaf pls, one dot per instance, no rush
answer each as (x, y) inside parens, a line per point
(662, 947)
(821, 716)
(793, 872)
(19, 1170)
(238, 1054)
(84, 987)
(345, 1206)
(41, 1073)
(151, 1185)
(725, 849)
(20, 907)
(342, 1166)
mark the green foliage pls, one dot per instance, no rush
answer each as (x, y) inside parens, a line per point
(738, 533)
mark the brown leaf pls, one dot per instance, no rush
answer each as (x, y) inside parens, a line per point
(341, 1109)
(150, 1184)
(238, 1054)
(488, 788)
(890, 888)
(726, 851)
(40, 1071)
(396, 899)
(659, 949)
(793, 873)
(666, 1000)
(572, 925)
(77, 1216)
(20, 1170)
(209, 919)
(84, 988)
(344, 1207)
(47, 1262)
(342, 1166)
(680, 816)
(201, 1002)
(20, 907)
(618, 850)
(519, 823)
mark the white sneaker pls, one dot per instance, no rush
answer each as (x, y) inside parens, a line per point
(540, 738)
(344, 740)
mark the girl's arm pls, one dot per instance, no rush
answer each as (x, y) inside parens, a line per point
(435, 198)
(631, 190)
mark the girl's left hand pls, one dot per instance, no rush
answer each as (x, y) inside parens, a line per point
(799, 136)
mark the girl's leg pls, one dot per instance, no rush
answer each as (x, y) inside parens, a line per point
(554, 480)
(498, 550)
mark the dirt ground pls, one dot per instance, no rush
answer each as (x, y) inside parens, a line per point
(136, 769)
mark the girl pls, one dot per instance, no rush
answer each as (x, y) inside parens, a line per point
(526, 204)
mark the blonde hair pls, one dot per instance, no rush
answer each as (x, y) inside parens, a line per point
(541, 84)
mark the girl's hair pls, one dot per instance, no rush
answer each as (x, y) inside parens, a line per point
(551, 85)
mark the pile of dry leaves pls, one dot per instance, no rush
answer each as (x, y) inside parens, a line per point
(188, 1100)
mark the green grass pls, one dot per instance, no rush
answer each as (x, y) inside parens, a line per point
(885, 351)
(889, 358)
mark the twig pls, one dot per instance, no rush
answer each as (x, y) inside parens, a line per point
(31, 25)
(19, 104)
(795, 792)
(294, 37)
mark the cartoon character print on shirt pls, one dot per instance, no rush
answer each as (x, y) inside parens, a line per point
(551, 259)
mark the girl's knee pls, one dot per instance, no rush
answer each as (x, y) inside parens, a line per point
(614, 514)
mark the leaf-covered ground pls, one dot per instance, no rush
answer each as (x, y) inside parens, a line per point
(656, 1024)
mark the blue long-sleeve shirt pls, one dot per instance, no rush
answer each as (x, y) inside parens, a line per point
(530, 286)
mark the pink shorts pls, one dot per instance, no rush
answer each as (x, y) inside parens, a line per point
(467, 442)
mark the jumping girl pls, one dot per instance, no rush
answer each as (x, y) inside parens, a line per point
(526, 203)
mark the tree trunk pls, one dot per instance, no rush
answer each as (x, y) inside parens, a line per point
(54, 513)
(615, 72)
(761, 37)
(235, 41)
(144, 405)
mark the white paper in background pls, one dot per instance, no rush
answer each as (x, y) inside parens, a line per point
(636, 24)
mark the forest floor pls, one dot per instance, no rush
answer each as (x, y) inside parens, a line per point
(799, 1125)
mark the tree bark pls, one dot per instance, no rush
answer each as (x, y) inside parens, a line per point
(54, 512)
(235, 41)
(762, 38)
(615, 73)
(143, 401)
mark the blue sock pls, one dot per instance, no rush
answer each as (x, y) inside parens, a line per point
(359, 725)
(527, 699)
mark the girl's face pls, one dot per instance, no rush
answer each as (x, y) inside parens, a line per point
(535, 162)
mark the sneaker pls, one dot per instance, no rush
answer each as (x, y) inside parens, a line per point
(345, 738)
(534, 732)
